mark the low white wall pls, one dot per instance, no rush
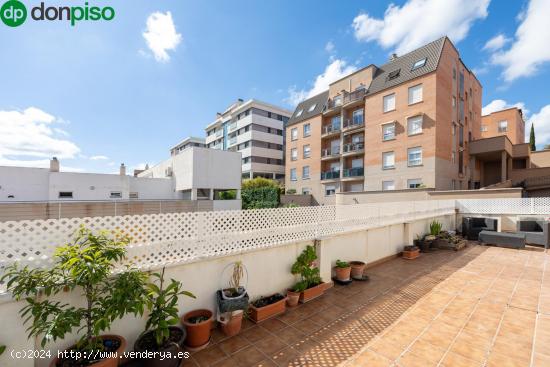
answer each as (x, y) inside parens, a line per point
(227, 204)
(268, 269)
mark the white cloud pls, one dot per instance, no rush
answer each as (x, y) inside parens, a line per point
(530, 47)
(26, 136)
(542, 126)
(496, 43)
(99, 158)
(418, 22)
(161, 35)
(500, 104)
(329, 47)
(337, 69)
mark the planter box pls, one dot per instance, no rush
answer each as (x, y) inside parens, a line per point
(231, 304)
(447, 245)
(266, 312)
(312, 293)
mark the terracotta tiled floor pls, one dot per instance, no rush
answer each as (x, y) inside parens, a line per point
(482, 306)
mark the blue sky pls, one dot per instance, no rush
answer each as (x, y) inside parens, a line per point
(102, 93)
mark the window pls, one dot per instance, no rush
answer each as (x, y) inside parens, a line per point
(335, 122)
(461, 162)
(65, 194)
(453, 157)
(394, 74)
(358, 116)
(415, 94)
(330, 190)
(389, 102)
(293, 174)
(502, 126)
(388, 160)
(307, 151)
(305, 173)
(293, 154)
(312, 107)
(115, 195)
(388, 185)
(337, 100)
(307, 130)
(415, 156)
(414, 125)
(414, 183)
(454, 73)
(134, 195)
(419, 64)
(299, 113)
(306, 191)
(454, 102)
(454, 129)
(388, 131)
(294, 134)
(484, 128)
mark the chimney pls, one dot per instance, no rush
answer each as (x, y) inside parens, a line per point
(122, 169)
(54, 165)
(393, 57)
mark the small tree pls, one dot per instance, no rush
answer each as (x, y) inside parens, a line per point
(532, 141)
(305, 267)
(87, 264)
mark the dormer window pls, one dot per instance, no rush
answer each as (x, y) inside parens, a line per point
(394, 74)
(299, 113)
(312, 107)
(419, 64)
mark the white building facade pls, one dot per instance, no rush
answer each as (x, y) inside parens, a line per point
(256, 130)
(188, 142)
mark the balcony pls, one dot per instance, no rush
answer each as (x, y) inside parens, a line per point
(330, 153)
(232, 126)
(354, 148)
(330, 130)
(334, 106)
(353, 124)
(219, 133)
(354, 98)
(330, 175)
(354, 173)
(232, 141)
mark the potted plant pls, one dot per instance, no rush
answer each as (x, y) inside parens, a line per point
(293, 294)
(417, 242)
(198, 326)
(310, 283)
(411, 252)
(86, 264)
(343, 270)
(435, 230)
(357, 269)
(233, 299)
(267, 307)
(161, 333)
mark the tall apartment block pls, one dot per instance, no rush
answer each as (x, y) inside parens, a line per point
(256, 130)
(188, 142)
(403, 125)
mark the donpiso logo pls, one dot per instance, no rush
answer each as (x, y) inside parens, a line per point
(14, 13)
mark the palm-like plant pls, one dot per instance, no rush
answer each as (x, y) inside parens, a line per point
(87, 265)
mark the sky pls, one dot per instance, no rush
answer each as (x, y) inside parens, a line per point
(102, 93)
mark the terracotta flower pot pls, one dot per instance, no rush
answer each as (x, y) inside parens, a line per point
(258, 314)
(343, 274)
(312, 293)
(292, 298)
(198, 334)
(411, 254)
(108, 362)
(357, 269)
(232, 326)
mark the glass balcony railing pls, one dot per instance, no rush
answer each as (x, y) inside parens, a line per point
(355, 122)
(329, 129)
(330, 175)
(354, 172)
(355, 95)
(354, 147)
(330, 152)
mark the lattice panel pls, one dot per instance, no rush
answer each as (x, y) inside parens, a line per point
(533, 206)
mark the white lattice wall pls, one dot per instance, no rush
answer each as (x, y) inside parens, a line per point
(172, 238)
(533, 206)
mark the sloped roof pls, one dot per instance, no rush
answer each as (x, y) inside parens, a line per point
(319, 101)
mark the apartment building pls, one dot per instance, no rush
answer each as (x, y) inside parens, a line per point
(403, 125)
(188, 142)
(256, 130)
(507, 122)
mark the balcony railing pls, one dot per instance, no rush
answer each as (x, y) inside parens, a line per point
(329, 129)
(354, 96)
(354, 172)
(232, 126)
(334, 102)
(354, 147)
(219, 133)
(330, 152)
(351, 123)
(330, 175)
(233, 141)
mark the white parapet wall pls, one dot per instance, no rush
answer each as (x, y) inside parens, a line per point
(269, 242)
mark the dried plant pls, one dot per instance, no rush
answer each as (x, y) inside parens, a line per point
(237, 275)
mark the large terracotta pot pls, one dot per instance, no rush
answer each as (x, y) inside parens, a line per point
(343, 274)
(108, 362)
(232, 326)
(292, 298)
(312, 293)
(411, 252)
(266, 312)
(198, 335)
(174, 349)
(357, 269)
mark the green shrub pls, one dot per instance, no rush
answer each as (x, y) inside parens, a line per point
(259, 182)
(227, 195)
(435, 228)
(291, 191)
(306, 268)
(261, 197)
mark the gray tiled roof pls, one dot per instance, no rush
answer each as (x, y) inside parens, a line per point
(431, 51)
(319, 101)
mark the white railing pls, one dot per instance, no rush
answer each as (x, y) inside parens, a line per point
(527, 206)
(175, 238)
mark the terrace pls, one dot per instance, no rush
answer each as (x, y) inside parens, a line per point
(480, 306)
